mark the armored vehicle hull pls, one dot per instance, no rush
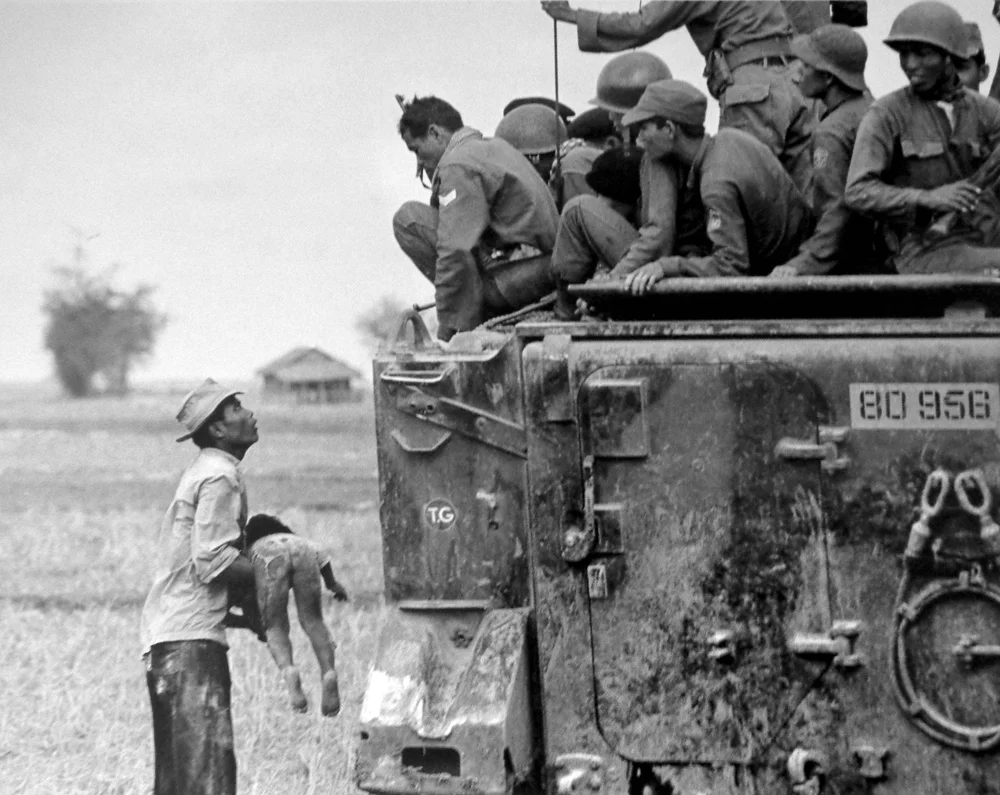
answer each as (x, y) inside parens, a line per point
(733, 538)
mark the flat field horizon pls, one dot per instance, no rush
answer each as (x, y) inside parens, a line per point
(84, 484)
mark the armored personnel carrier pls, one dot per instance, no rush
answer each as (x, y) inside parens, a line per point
(735, 537)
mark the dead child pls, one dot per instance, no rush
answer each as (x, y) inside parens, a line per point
(283, 561)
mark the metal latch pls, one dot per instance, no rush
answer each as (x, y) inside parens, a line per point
(825, 450)
(836, 647)
(969, 651)
(722, 647)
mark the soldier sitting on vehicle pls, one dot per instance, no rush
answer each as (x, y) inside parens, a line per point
(747, 49)
(589, 134)
(491, 220)
(536, 132)
(973, 69)
(591, 234)
(755, 217)
(833, 58)
(922, 163)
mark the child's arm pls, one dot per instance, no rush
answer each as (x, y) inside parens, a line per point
(326, 571)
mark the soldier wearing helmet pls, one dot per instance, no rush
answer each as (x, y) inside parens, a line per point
(747, 49)
(536, 132)
(922, 163)
(973, 69)
(833, 58)
(483, 241)
(592, 237)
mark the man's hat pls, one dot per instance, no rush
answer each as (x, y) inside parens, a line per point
(565, 113)
(676, 100)
(837, 49)
(199, 404)
(975, 37)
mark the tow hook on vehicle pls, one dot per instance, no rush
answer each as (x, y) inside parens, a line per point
(578, 773)
(807, 771)
(966, 485)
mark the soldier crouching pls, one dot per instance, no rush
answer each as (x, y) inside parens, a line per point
(486, 237)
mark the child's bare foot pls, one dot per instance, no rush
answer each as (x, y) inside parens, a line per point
(295, 694)
(331, 694)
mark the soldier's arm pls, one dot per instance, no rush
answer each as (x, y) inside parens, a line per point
(866, 192)
(727, 232)
(657, 234)
(613, 32)
(463, 216)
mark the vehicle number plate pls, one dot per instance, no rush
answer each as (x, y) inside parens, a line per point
(918, 406)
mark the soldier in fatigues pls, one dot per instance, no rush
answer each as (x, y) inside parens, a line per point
(834, 59)
(591, 234)
(973, 69)
(536, 132)
(755, 217)
(489, 211)
(919, 158)
(747, 49)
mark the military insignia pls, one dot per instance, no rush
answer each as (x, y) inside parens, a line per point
(448, 198)
(714, 221)
(820, 158)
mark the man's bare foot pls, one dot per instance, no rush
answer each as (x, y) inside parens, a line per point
(331, 694)
(295, 694)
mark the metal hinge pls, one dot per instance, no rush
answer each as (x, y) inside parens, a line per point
(825, 450)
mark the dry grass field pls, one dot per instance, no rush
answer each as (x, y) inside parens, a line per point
(83, 485)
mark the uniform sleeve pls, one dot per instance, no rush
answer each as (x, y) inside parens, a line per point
(831, 160)
(463, 216)
(866, 192)
(215, 534)
(613, 32)
(658, 234)
(728, 235)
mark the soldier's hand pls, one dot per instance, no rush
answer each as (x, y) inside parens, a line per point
(784, 272)
(559, 10)
(959, 197)
(640, 281)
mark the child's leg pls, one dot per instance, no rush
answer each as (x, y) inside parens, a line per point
(273, 579)
(309, 604)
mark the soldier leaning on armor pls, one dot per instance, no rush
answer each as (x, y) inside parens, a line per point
(740, 183)
(747, 49)
(925, 162)
(833, 58)
(488, 207)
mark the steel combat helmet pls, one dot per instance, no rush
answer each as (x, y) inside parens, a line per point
(930, 22)
(836, 49)
(624, 78)
(532, 129)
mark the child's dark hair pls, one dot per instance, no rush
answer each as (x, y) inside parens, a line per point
(262, 524)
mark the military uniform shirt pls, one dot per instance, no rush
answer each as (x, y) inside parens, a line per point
(487, 195)
(736, 174)
(907, 145)
(840, 234)
(660, 186)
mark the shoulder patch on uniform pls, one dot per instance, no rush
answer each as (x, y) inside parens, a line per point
(448, 198)
(714, 222)
(820, 157)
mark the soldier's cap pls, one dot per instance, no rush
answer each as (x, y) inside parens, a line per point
(565, 112)
(615, 174)
(676, 100)
(975, 37)
(199, 404)
(837, 49)
(593, 123)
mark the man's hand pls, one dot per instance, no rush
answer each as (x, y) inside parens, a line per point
(784, 272)
(640, 281)
(559, 10)
(959, 197)
(338, 591)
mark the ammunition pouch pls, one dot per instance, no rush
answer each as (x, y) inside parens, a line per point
(514, 277)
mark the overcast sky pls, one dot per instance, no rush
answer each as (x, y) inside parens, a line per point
(243, 158)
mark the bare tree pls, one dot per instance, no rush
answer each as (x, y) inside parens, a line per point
(97, 332)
